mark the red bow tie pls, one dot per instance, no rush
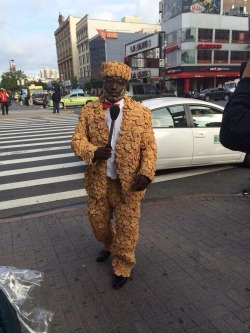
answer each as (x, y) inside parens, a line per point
(107, 105)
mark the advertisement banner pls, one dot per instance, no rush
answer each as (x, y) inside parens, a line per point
(206, 6)
(171, 8)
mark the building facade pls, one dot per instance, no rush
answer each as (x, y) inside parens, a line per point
(203, 46)
(109, 49)
(67, 56)
(48, 73)
(110, 44)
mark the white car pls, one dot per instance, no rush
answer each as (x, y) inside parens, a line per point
(187, 133)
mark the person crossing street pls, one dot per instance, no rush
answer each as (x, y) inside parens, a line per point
(4, 99)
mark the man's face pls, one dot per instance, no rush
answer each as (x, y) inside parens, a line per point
(114, 88)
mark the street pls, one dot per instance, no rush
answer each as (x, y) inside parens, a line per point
(39, 171)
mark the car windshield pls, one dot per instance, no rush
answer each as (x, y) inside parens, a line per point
(37, 95)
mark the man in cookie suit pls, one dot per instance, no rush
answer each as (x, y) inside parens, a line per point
(121, 164)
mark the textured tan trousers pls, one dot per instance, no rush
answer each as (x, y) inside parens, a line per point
(121, 236)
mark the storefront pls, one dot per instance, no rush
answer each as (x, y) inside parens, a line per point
(185, 79)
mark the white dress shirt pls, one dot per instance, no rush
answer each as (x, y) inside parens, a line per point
(111, 164)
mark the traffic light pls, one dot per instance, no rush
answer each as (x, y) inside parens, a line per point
(127, 61)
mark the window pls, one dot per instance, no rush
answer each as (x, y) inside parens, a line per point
(220, 57)
(221, 36)
(138, 89)
(205, 35)
(188, 57)
(169, 116)
(239, 37)
(205, 116)
(151, 90)
(188, 35)
(239, 56)
(204, 56)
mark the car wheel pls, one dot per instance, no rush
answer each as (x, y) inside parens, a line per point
(89, 101)
(247, 160)
(61, 105)
(226, 98)
(207, 98)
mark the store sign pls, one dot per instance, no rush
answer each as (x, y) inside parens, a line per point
(140, 45)
(141, 74)
(209, 46)
(174, 70)
(111, 34)
(161, 62)
(214, 69)
(171, 48)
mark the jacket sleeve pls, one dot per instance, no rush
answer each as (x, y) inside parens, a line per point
(148, 150)
(235, 127)
(80, 142)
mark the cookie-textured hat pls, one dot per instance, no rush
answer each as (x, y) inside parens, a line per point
(115, 68)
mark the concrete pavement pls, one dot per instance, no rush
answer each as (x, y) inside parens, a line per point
(192, 272)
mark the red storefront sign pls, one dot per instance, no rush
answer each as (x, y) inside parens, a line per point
(209, 46)
(171, 48)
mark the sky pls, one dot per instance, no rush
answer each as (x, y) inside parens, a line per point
(27, 27)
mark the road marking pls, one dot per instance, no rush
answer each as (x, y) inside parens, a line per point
(31, 140)
(39, 199)
(41, 181)
(30, 133)
(37, 158)
(29, 151)
(41, 168)
(35, 144)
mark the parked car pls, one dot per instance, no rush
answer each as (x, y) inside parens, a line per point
(187, 133)
(214, 93)
(74, 99)
(142, 91)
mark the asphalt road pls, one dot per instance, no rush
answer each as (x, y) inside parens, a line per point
(227, 180)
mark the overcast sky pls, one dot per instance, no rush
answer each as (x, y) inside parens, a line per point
(27, 27)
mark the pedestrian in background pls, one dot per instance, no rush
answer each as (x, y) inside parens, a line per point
(235, 127)
(56, 98)
(117, 177)
(4, 99)
(45, 100)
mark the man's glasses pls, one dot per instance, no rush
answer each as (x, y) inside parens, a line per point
(118, 82)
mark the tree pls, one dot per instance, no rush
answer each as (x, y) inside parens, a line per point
(74, 82)
(95, 82)
(13, 80)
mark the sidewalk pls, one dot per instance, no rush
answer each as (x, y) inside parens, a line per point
(192, 273)
(24, 111)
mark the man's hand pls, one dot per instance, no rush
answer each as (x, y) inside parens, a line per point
(140, 183)
(102, 153)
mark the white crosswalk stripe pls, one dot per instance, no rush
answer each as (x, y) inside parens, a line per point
(37, 165)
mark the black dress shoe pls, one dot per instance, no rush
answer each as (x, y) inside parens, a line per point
(103, 256)
(119, 281)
